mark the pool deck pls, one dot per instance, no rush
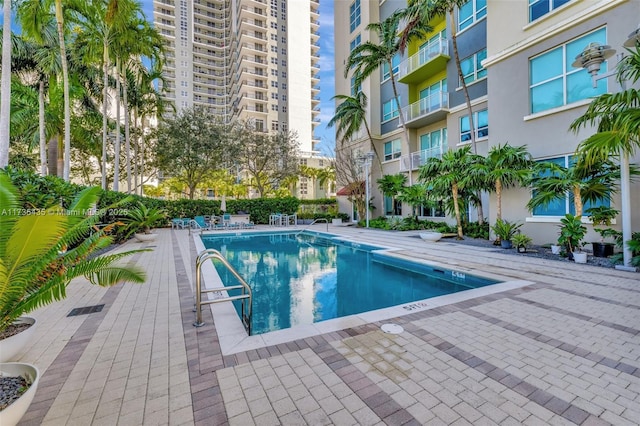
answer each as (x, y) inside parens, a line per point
(561, 348)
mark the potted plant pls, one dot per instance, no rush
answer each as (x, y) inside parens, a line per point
(41, 252)
(521, 241)
(505, 230)
(572, 232)
(602, 216)
(141, 219)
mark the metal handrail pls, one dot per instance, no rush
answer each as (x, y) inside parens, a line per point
(246, 311)
(311, 224)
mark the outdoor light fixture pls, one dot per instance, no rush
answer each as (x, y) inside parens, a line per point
(365, 160)
(591, 59)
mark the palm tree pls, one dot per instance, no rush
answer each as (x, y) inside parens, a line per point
(350, 115)
(391, 186)
(368, 57)
(5, 85)
(616, 115)
(422, 11)
(585, 182)
(40, 56)
(41, 254)
(503, 167)
(415, 195)
(451, 173)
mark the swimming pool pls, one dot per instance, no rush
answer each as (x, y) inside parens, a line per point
(304, 278)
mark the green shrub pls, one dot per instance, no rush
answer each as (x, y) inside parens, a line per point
(475, 230)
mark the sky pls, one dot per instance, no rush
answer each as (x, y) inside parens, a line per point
(327, 80)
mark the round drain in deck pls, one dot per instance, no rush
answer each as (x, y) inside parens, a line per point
(392, 328)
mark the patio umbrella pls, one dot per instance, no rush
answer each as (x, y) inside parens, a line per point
(223, 203)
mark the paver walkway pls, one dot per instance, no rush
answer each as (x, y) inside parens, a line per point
(563, 350)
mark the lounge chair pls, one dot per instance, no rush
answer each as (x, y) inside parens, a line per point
(198, 222)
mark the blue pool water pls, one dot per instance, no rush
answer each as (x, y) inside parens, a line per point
(306, 278)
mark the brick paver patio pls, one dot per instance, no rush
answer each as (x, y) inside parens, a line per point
(563, 350)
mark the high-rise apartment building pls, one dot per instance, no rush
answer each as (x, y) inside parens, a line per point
(245, 59)
(517, 59)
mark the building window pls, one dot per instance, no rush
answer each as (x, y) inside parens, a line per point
(284, 108)
(480, 122)
(354, 15)
(284, 86)
(274, 125)
(539, 8)
(392, 149)
(392, 207)
(389, 110)
(555, 83)
(471, 12)
(395, 61)
(259, 125)
(274, 96)
(274, 107)
(274, 84)
(433, 144)
(566, 205)
(355, 88)
(472, 68)
(355, 42)
(435, 211)
(284, 98)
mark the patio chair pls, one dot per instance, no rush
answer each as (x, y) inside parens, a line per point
(198, 222)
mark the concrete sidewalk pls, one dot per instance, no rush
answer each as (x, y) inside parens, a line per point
(563, 350)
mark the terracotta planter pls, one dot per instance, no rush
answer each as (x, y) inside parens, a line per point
(11, 346)
(12, 414)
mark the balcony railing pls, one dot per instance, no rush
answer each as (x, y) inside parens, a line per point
(429, 52)
(416, 159)
(425, 106)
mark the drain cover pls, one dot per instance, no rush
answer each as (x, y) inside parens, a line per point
(85, 310)
(392, 328)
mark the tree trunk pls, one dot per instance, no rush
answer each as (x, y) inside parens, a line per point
(465, 90)
(5, 88)
(65, 85)
(136, 151)
(127, 142)
(105, 109)
(42, 136)
(402, 122)
(456, 208)
(577, 199)
(498, 199)
(116, 160)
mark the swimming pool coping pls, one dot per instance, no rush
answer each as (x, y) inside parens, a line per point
(233, 337)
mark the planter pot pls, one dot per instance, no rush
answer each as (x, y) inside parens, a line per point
(580, 257)
(555, 249)
(145, 237)
(336, 222)
(11, 346)
(430, 237)
(506, 244)
(12, 414)
(522, 249)
(602, 249)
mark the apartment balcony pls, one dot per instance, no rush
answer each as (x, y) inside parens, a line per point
(252, 48)
(315, 24)
(253, 34)
(427, 110)
(419, 158)
(251, 23)
(256, 72)
(428, 61)
(252, 11)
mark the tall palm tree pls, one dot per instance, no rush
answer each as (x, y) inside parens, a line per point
(368, 57)
(350, 116)
(420, 12)
(41, 57)
(503, 167)
(5, 85)
(451, 173)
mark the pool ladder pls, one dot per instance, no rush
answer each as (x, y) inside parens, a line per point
(313, 223)
(246, 297)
